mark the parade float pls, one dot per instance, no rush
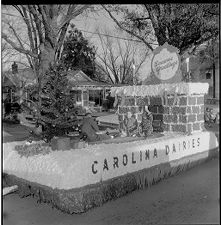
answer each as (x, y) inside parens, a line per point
(77, 179)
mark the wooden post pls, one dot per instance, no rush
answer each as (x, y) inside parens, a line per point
(82, 98)
(134, 78)
(214, 80)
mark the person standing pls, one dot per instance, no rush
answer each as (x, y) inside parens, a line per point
(146, 123)
(110, 101)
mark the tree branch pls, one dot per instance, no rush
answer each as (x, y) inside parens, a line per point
(141, 62)
(49, 33)
(193, 48)
(28, 27)
(35, 34)
(105, 71)
(29, 34)
(21, 45)
(72, 13)
(142, 18)
(104, 59)
(128, 31)
(18, 9)
(37, 22)
(19, 49)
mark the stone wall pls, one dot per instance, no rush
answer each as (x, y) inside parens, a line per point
(186, 115)
(174, 113)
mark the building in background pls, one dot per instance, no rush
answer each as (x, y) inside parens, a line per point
(14, 82)
(204, 66)
(206, 72)
(88, 93)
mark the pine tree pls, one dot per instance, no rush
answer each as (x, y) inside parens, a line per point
(77, 53)
(58, 112)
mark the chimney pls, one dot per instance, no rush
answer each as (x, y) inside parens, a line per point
(14, 68)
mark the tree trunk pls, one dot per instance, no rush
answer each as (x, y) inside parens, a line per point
(46, 58)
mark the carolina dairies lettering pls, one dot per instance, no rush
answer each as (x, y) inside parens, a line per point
(136, 157)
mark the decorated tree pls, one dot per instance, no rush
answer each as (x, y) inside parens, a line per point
(58, 112)
(77, 52)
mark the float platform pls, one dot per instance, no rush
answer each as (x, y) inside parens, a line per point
(79, 179)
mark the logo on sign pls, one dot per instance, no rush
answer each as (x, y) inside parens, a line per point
(165, 62)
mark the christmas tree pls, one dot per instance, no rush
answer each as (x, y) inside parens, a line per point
(57, 108)
(58, 112)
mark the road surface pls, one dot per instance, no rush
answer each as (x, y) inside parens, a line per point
(191, 197)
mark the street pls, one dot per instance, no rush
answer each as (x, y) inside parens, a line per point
(191, 198)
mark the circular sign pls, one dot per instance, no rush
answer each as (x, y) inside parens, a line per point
(165, 62)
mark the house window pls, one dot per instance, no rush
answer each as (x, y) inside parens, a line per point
(208, 76)
(76, 94)
(96, 96)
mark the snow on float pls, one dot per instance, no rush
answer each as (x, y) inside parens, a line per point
(79, 179)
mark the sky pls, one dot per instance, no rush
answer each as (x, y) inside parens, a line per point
(89, 25)
(104, 22)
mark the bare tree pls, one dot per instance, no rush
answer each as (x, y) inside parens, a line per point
(45, 27)
(10, 55)
(117, 57)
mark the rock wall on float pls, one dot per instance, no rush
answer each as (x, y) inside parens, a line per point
(175, 108)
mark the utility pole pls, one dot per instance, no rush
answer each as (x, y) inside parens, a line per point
(214, 80)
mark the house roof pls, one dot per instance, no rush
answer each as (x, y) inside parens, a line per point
(7, 82)
(76, 78)
(25, 75)
(79, 78)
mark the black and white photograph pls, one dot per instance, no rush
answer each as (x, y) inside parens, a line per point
(110, 114)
